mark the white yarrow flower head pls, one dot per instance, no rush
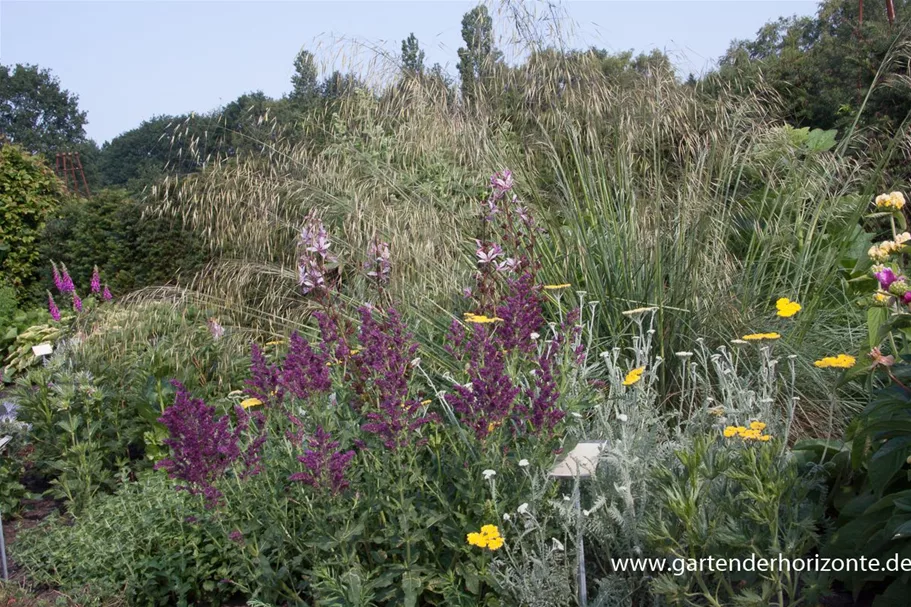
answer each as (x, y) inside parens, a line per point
(415, 362)
(534, 335)
(523, 509)
(489, 474)
(506, 516)
(523, 463)
(623, 417)
(576, 415)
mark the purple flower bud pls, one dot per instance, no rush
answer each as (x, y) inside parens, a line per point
(77, 303)
(52, 307)
(96, 281)
(906, 298)
(106, 294)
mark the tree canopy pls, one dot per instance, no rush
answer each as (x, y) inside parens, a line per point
(37, 113)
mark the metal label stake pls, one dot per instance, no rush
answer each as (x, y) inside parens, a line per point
(580, 463)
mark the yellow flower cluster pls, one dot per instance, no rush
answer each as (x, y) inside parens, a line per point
(761, 336)
(489, 538)
(481, 319)
(633, 376)
(842, 361)
(754, 432)
(787, 308)
(555, 287)
(881, 252)
(894, 200)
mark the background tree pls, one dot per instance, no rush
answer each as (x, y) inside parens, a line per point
(478, 57)
(141, 156)
(304, 82)
(412, 56)
(36, 113)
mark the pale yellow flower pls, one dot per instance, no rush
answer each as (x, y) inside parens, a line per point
(559, 286)
(891, 201)
(250, 402)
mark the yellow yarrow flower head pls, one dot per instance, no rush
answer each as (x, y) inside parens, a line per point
(481, 319)
(250, 402)
(489, 537)
(842, 361)
(761, 336)
(633, 376)
(753, 433)
(787, 308)
(559, 286)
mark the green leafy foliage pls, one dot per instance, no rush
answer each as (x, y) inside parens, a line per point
(727, 499)
(137, 545)
(874, 501)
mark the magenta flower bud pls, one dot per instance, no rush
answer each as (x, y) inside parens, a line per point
(52, 307)
(106, 294)
(77, 303)
(96, 281)
(885, 277)
(906, 298)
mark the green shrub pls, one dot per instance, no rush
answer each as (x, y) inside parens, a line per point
(93, 407)
(140, 545)
(29, 194)
(109, 231)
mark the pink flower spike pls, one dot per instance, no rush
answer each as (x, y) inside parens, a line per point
(96, 281)
(52, 307)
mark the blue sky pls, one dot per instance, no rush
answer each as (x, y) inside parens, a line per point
(131, 60)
